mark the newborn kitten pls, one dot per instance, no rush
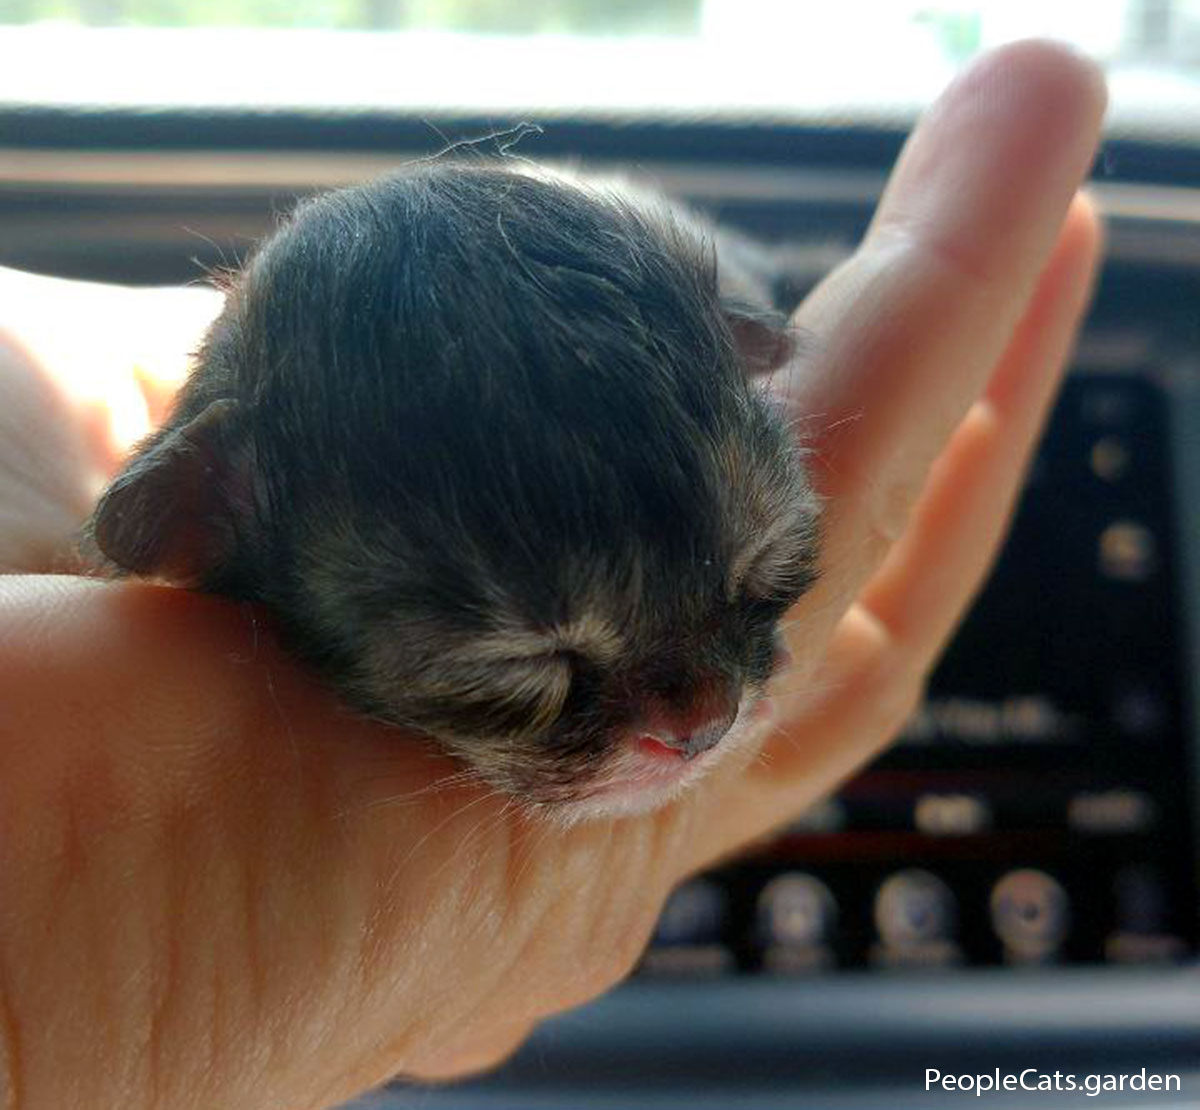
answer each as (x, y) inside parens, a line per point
(488, 444)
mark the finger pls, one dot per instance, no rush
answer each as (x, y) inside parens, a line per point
(909, 609)
(908, 330)
(157, 392)
(884, 647)
(124, 353)
(921, 590)
(863, 699)
(47, 479)
(165, 356)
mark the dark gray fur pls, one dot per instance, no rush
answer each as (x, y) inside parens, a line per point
(486, 444)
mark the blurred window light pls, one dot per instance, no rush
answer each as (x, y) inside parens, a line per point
(876, 61)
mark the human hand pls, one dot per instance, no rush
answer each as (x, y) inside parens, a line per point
(220, 890)
(85, 370)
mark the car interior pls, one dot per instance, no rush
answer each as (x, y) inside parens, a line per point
(1012, 887)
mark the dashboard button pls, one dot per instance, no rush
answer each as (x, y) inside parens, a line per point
(1110, 812)
(796, 908)
(797, 915)
(951, 814)
(1109, 458)
(1127, 552)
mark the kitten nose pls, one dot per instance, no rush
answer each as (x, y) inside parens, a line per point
(697, 729)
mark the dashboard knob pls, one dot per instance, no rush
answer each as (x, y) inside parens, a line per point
(914, 907)
(1030, 914)
(694, 914)
(796, 909)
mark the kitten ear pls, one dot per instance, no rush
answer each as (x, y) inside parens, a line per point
(168, 513)
(761, 336)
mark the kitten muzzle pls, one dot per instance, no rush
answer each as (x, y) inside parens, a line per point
(691, 732)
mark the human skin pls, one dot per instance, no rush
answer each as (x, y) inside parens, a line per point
(218, 888)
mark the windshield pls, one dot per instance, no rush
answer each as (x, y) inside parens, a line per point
(862, 60)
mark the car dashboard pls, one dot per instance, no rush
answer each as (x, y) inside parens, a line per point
(1012, 888)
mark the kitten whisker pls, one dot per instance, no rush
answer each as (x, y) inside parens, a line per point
(485, 823)
(451, 817)
(466, 776)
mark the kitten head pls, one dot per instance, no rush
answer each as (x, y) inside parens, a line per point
(489, 445)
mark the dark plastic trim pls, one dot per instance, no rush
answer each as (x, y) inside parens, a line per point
(712, 138)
